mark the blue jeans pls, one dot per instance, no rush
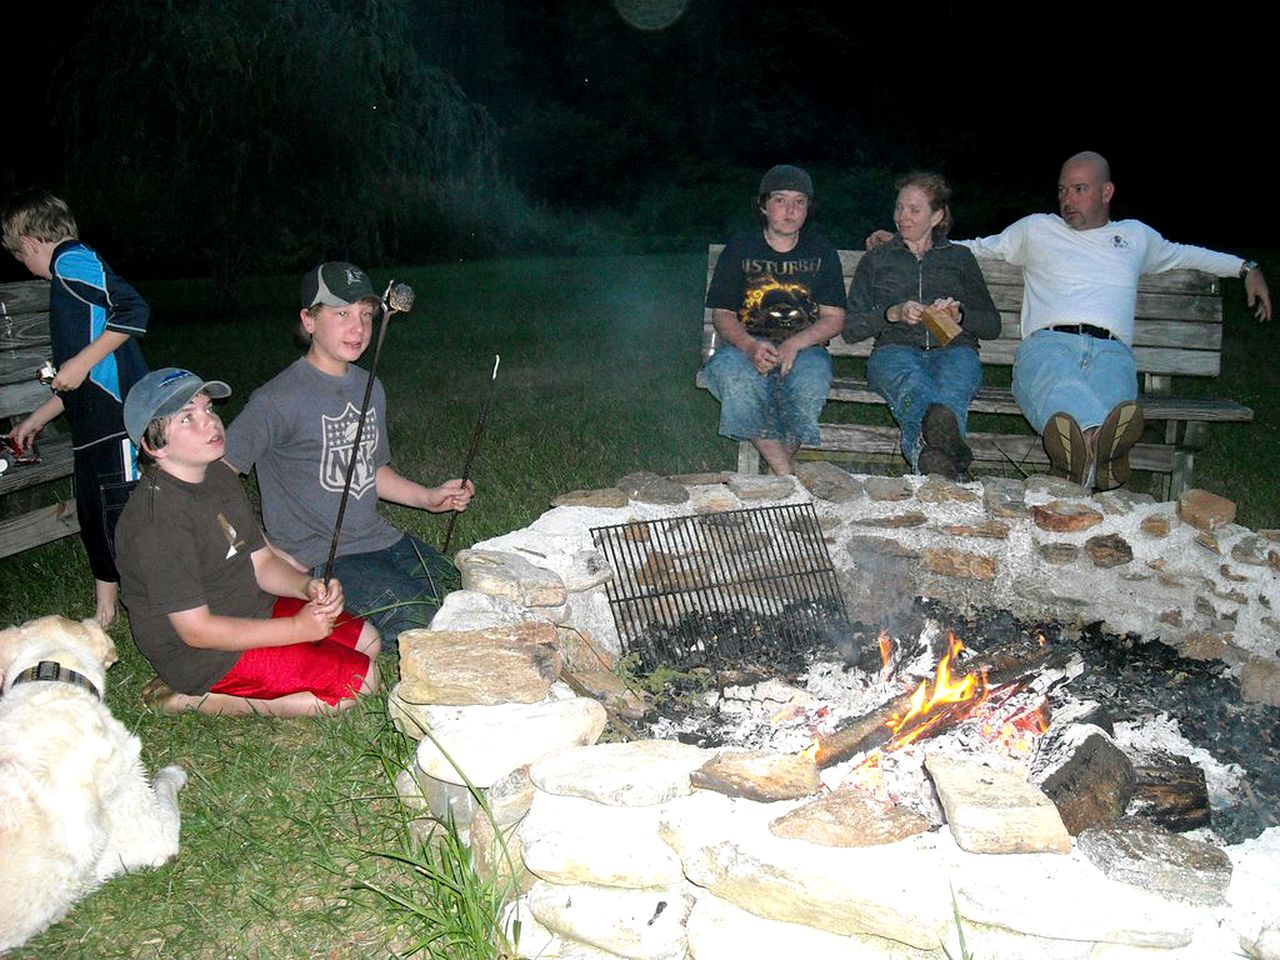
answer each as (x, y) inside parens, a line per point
(398, 588)
(1072, 373)
(770, 406)
(911, 380)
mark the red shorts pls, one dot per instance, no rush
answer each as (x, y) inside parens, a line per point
(329, 668)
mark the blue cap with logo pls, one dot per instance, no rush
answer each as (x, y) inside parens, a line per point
(162, 393)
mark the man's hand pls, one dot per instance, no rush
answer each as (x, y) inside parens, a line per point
(1257, 295)
(787, 351)
(70, 375)
(24, 434)
(764, 356)
(909, 312)
(948, 304)
(312, 623)
(878, 238)
(450, 495)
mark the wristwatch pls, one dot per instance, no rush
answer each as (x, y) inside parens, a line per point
(1247, 267)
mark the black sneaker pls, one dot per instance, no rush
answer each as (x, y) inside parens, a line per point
(941, 431)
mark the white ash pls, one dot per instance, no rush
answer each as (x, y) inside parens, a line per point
(1144, 740)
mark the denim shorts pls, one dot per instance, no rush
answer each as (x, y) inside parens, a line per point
(397, 588)
(755, 406)
(911, 380)
(1072, 373)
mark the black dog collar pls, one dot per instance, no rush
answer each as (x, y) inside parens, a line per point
(52, 670)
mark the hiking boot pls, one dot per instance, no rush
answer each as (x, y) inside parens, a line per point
(941, 431)
(1116, 437)
(1064, 443)
(935, 460)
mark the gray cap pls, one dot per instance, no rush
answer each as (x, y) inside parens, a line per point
(336, 284)
(786, 177)
(162, 393)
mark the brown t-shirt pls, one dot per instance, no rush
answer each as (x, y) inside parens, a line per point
(185, 545)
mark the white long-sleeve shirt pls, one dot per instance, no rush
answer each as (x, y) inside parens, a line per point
(1090, 276)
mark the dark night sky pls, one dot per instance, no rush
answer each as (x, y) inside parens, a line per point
(994, 94)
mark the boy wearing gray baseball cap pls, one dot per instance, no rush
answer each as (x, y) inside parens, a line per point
(230, 627)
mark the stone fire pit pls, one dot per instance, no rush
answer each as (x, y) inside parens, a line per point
(654, 848)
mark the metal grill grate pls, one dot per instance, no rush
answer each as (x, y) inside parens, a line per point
(719, 587)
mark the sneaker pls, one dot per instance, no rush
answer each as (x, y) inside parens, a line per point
(941, 431)
(1116, 437)
(1064, 443)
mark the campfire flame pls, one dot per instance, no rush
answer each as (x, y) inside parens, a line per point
(886, 655)
(933, 702)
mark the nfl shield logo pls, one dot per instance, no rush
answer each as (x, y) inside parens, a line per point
(339, 439)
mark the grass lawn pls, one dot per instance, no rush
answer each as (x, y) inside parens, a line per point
(281, 818)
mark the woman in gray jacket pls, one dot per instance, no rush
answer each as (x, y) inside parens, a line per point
(926, 382)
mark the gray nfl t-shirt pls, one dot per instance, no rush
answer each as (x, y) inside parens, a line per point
(298, 429)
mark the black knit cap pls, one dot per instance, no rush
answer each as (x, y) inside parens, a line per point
(786, 177)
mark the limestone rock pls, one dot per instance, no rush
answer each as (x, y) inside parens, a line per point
(1251, 550)
(761, 488)
(606, 772)
(718, 930)
(1260, 681)
(572, 840)
(888, 488)
(995, 811)
(1047, 485)
(989, 529)
(1003, 497)
(1118, 502)
(896, 521)
(1156, 525)
(1227, 573)
(701, 479)
(498, 665)
(1108, 550)
(609, 689)
(581, 652)
(849, 818)
(1203, 645)
(1064, 516)
(1172, 617)
(1207, 541)
(497, 852)
(960, 563)
(488, 742)
(1204, 510)
(509, 798)
(758, 775)
(607, 497)
(1058, 553)
(828, 482)
(472, 610)
(938, 490)
(444, 799)
(514, 578)
(886, 890)
(641, 924)
(711, 500)
(1147, 857)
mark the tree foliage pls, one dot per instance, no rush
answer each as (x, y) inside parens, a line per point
(242, 135)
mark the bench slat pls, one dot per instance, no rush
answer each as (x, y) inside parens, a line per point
(29, 330)
(22, 364)
(37, 527)
(24, 296)
(21, 398)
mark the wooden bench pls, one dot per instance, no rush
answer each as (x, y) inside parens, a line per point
(1178, 332)
(24, 346)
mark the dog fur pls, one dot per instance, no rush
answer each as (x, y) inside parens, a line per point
(75, 804)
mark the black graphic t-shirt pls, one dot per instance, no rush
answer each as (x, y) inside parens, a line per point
(776, 294)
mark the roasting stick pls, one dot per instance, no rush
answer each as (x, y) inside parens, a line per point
(398, 298)
(471, 453)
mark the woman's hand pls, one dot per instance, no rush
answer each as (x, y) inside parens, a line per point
(948, 304)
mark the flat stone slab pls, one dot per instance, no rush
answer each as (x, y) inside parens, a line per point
(995, 811)
(651, 488)
(888, 488)
(848, 818)
(1145, 856)
(762, 488)
(514, 664)
(488, 742)
(937, 490)
(828, 482)
(758, 775)
(950, 562)
(512, 577)
(472, 610)
(1065, 516)
(606, 772)
(572, 840)
(640, 924)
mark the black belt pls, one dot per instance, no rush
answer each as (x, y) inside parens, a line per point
(1085, 330)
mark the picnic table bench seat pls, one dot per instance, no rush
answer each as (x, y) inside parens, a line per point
(1177, 333)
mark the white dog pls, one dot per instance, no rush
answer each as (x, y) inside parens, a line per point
(75, 804)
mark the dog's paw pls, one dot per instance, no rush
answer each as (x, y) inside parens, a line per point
(173, 775)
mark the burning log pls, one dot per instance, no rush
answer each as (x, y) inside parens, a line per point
(929, 711)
